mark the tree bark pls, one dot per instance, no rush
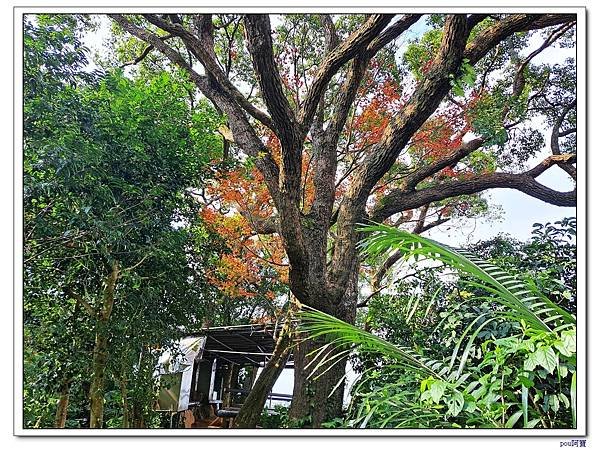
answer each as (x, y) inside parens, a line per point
(63, 403)
(97, 387)
(314, 400)
(100, 355)
(323, 280)
(250, 412)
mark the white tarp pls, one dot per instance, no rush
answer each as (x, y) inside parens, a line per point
(182, 362)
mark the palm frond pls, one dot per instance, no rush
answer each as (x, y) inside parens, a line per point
(342, 336)
(522, 301)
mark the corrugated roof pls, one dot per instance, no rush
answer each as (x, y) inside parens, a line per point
(241, 344)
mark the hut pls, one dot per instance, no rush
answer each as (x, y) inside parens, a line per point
(206, 381)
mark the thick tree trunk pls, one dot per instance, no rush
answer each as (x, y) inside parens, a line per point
(63, 403)
(250, 412)
(315, 400)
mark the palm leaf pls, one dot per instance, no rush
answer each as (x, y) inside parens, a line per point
(343, 336)
(522, 301)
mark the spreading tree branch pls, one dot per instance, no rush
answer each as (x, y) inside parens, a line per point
(260, 45)
(144, 53)
(204, 51)
(428, 94)
(399, 200)
(343, 53)
(556, 134)
(82, 302)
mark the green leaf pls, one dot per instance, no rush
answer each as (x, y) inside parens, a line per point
(470, 406)
(530, 362)
(545, 357)
(569, 341)
(532, 423)
(438, 387)
(455, 403)
(553, 402)
(573, 394)
(512, 420)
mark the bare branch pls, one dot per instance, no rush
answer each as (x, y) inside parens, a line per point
(567, 132)
(83, 302)
(400, 200)
(357, 70)
(145, 53)
(260, 44)
(425, 171)
(550, 161)
(392, 32)
(204, 51)
(556, 134)
(262, 225)
(429, 93)
(136, 265)
(492, 36)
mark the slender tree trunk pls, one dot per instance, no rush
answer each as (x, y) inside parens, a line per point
(63, 403)
(125, 403)
(252, 408)
(231, 381)
(138, 416)
(97, 383)
(100, 356)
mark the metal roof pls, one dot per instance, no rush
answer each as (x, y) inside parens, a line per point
(241, 344)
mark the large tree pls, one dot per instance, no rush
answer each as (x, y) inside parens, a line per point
(342, 131)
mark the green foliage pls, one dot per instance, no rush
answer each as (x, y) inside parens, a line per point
(548, 259)
(510, 363)
(420, 53)
(466, 78)
(523, 301)
(488, 118)
(108, 162)
(278, 418)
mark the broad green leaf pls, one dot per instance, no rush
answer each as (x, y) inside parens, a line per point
(438, 387)
(545, 357)
(455, 403)
(512, 420)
